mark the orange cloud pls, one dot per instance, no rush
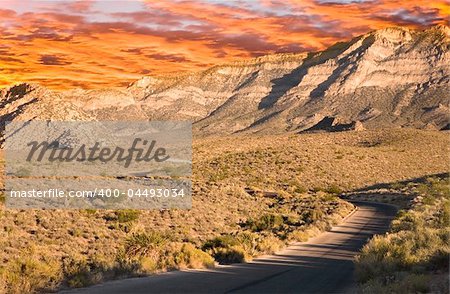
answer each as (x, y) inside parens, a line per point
(93, 44)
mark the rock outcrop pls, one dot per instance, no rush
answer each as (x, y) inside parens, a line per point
(334, 124)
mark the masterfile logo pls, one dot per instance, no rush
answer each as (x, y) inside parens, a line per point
(98, 164)
(52, 152)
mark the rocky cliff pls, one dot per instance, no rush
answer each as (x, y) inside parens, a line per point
(394, 77)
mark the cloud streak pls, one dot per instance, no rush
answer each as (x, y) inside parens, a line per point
(108, 44)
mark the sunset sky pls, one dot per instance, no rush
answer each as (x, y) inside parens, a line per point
(92, 44)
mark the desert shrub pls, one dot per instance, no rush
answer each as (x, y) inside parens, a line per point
(171, 256)
(184, 255)
(90, 211)
(141, 252)
(30, 274)
(406, 221)
(399, 283)
(75, 232)
(312, 215)
(300, 189)
(127, 215)
(125, 227)
(375, 259)
(221, 241)
(438, 187)
(228, 255)
(225, 249)
(303, 234)
(265, 222)
(127, 265)
(443, 214)
(82, 272)
(299, 235)
(333, 189)
(145, 244)
(397, 186)
(328, 197)
(248, 242)
(122, 219)
(148, 264)
(318, 189)
(269, 245)
(403, 251)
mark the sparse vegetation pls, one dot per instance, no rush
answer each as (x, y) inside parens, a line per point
(257, 191)
(413, 257)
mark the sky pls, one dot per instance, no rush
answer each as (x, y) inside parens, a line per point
(108, 43)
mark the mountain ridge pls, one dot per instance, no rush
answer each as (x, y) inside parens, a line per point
(393, 77)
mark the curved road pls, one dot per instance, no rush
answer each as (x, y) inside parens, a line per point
(324, 264)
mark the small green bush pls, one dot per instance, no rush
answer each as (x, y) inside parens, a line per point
(145, 244)
(300, 189)
(90, 211)
(334, 189)
(223, 241)
(190, 257)
(269, 245)
(229, 255)
(127, 215)
(122, 219)
(84, 271)
(312, 215)
(249, 242)
(267, 222)
(225, 249)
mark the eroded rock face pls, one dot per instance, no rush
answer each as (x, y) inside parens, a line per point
(383, 79)
(391, 77)
(28, 101)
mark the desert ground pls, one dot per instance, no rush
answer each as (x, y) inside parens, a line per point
(252, 195)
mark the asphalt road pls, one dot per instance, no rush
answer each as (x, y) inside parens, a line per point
(324, 264)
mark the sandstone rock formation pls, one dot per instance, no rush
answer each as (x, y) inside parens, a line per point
(334, 124)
